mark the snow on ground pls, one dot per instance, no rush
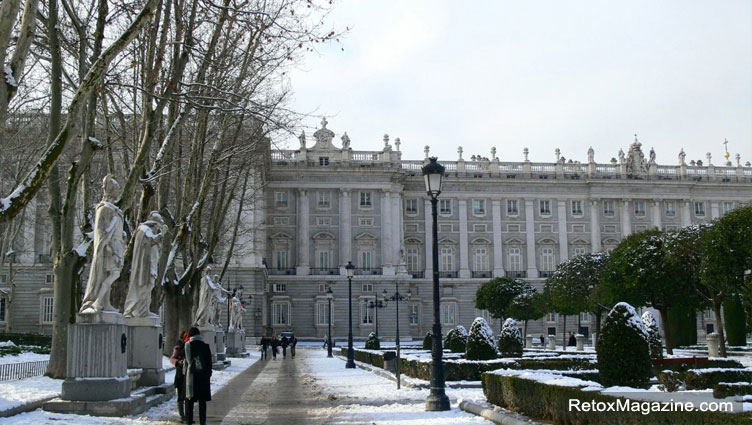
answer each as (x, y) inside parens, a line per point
(161, 414)
(16, 393)
(368, 396)
(24, 357)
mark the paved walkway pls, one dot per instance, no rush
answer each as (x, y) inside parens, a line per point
(271, 392)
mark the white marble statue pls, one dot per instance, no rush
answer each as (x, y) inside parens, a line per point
(219, 297)
(147, 240)
(236, 315)
(109, 245)
(205, 310)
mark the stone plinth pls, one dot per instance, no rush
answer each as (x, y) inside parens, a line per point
(580, 342)
(209, 335)
(219, 335)
(145, 349)
(97, 358)
(528, 341)
(713, 345)
(594, 338)
(552, 342)
(235, 342)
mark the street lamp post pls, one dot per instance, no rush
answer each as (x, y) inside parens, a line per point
(350, 353)
(329, 296)
(437, 400)
(376, 305)
(397, 297)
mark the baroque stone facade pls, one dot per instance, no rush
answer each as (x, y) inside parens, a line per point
(323, 206)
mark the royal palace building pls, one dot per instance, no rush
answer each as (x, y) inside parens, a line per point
(324, 206)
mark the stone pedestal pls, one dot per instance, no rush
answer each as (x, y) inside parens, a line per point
(552, 342)
(235, 343)
(145, 349)
(97, 357)
(528, 341)
(713, 345)
(594, 338)
(220, 342)
(580, 342)
(209, 336)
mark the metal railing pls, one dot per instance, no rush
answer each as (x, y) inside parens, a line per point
(515, 273)
(417, 275)
(481, 274)
(324, 271)
(368, 271)
(545, 273)
(281, 271)
(448, 275)
(15, 371)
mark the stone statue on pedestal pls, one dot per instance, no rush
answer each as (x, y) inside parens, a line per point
(109, 245)
(236, 315)
(205, 310)
(147, 240)
(218, 298)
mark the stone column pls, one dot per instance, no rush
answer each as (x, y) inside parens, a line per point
(387, 262)
(580, 339)
(498, 259)
(96, 366)
(561, 209)
(145, 349)
(304, 220)
(626, 218)
(713, 344)
(397, 236)
(532, 268)
(464, 245)
(528, 341)
(219, 342)
(686, 218)
(345, 230)
(656, 215)
(209, 335)
(429, 239)
(595, 225)
(552, 342)
(715, 210)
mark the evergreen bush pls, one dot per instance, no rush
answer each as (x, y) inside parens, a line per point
(622, 349)
(480, 345)
(456, 339)
(372, 342)
(735, 321)
(510, 339)
(428, 341)
(654, 336)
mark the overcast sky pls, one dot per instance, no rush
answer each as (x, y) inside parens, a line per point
(536, 74)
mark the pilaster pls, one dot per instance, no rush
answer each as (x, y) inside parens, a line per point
(686, 218)
(626, 218)
(498, 261)
(595, 225)
(656, 214)
(561, 209)
(464, 246)
(715, 210)
(303, 218)
(345, 229)
(532, 267)
(387, 263)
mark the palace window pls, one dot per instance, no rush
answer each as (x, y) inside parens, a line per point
(576, 207)
(579, 251)
(324, 199)
(281, 221)
(280, 259)
(414, 314)
(365, 200)
(366, 314)
(727, 207)
(515, 259)
(322, 313)
(670, 209)
(365, 221)
(639, 208)
(608, 208)
(365, 260)
(411, 206)
(479, 206)
(366, 287)
(2, 309)
(481, 259)
(412, 258)
(448, 313)
(700, 209)
(280, 199)
(47, 310)
(585, 317)
(547, 259)
(551, 317)
(484, 314)
(323, 221)
(324, 262)
(281, 313)
(446, 259)
(324, 160)
(445, 206)
(545, 207)
(512, 207)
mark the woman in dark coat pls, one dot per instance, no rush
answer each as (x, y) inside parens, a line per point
(264, 347)
(177, 359)
(198, 371)
(285, 343)
(275, 345)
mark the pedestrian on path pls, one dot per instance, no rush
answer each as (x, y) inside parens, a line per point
(275, 347)
(264, 347)
(326, 341)
(178, 359)
(285, 343)
(293, 343)
(198, 371)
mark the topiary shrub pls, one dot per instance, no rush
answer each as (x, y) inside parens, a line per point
(456, 339)
(372, 342)
(734, 320)
(480, 345)
(622, 349)
(428, 341)
(510, 339)
(654, 336)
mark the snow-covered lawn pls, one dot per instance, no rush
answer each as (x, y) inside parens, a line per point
(32, 389)
(369, 398)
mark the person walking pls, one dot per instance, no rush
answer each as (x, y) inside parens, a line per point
(177, 359)
(264, 347)
(198, 371)
(293, 343)
(285, 342)
(572, 341)
(275, 345)
(326, 341)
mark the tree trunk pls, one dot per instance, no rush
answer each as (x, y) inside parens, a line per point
(524, 331)
(717, 302)
(666, 330)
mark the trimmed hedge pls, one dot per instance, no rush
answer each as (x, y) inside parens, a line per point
(372, 342)
(704, 380)
(27, 339)
(549, 402)
(734, 319)
(623, 351)
(727, 389)
(428, 341)
(724, 363)
(456, 339)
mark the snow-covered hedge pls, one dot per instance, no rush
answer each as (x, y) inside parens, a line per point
(510, 339)
(480, 344)
(372, 342)
(654, 336)
(622, 348)
(700, 379)
(728, 389)
(456, 339)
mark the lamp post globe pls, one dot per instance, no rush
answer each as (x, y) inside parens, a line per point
(329, 296)
(350, 269)
(437, 399)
